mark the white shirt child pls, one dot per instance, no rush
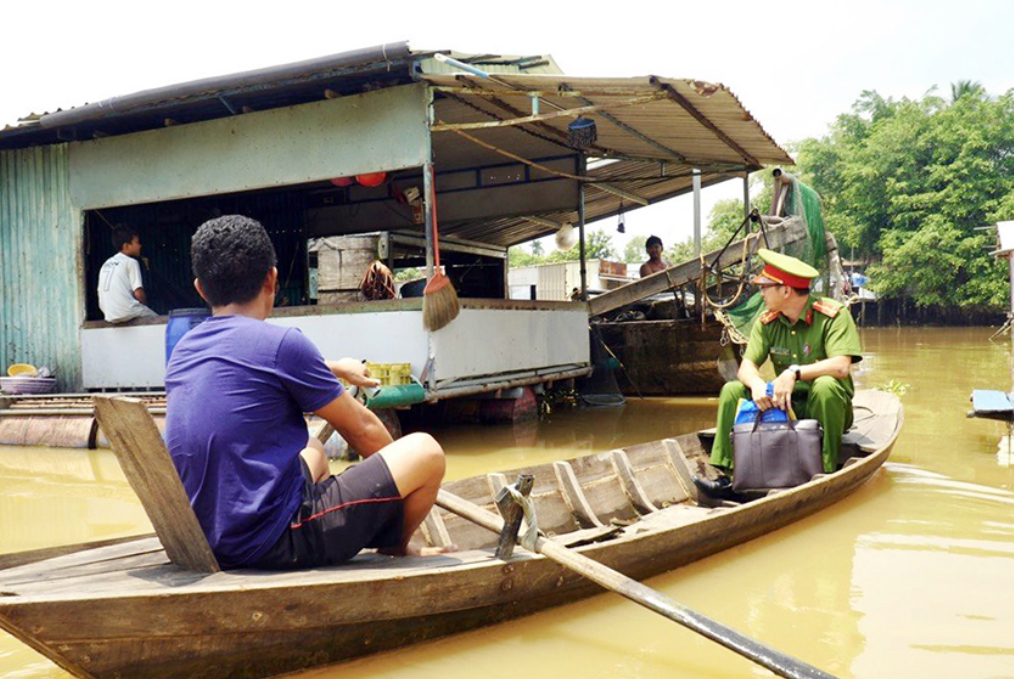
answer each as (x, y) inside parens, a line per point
(118, 278)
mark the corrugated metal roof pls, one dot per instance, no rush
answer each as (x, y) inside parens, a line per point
(644, 179)
(301, 82)
(685, 124)
(702, 123)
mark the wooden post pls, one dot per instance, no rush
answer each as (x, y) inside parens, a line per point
(746, 194)
(428, 180)
(582, 169)
(1010, 266)
(697, 212)
(701, 290)
(512, 514)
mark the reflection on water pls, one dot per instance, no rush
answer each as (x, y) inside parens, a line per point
(909, 577)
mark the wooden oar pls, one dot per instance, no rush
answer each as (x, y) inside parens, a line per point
(776, 661)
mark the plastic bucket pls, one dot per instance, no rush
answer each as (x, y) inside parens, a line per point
(181, 321)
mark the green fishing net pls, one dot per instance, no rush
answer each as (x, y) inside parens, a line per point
(804, 203)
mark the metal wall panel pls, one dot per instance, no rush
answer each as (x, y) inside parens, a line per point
(383, 130)
(383, 337)
(491, 341)
(40, 253)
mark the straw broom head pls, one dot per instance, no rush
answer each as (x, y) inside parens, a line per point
(440, 302)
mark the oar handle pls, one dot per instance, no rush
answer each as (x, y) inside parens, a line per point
(780, 663)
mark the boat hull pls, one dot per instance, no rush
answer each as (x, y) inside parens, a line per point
(162, 622)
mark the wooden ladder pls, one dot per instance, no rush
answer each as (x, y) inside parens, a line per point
(149, 469)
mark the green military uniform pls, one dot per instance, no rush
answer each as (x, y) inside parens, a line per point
(825, 329)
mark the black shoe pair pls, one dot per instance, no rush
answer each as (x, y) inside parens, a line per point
(720, 488)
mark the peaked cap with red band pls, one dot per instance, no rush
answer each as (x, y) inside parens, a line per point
(782, 269)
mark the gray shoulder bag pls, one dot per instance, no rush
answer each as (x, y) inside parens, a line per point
(775, 454)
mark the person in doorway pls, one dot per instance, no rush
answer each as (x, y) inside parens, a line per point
(655, 263)
(237, 389)
(121, 290)
(812, 343)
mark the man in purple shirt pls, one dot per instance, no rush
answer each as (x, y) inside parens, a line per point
(237, 390)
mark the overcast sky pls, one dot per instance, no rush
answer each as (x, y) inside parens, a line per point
(794, 65)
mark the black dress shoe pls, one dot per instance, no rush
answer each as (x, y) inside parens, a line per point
(720, 488)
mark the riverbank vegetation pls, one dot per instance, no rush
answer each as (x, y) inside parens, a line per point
(907, 186)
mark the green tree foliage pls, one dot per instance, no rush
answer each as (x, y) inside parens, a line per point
(966, 88)
(905, 183)
(635, 252)
(520, 255)
(724, 221)
(598, 245)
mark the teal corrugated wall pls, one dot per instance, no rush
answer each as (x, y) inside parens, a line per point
(40, 245)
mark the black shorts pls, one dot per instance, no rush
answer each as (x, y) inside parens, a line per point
(340, 516)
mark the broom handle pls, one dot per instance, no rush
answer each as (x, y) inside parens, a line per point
(433, 212)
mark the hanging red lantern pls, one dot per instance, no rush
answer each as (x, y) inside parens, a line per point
(342, 182)
(371, 178)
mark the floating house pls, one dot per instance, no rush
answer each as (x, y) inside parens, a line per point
(490, 138)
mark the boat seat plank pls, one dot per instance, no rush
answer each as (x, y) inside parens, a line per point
(496, 482)
(13, 559)
(631, 486)
(554, 515)
(574, 496)
(435, 531)
(654, 471)
(602, 487)
(69, 562)
(608, 500)
(146, 463)
(681, 467)
(44, 582)
(465, 534)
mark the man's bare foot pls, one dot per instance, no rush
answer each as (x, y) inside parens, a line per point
(412, 550)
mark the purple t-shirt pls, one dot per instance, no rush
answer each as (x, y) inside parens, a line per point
(237, 389)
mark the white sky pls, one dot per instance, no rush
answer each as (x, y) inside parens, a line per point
(795, 65)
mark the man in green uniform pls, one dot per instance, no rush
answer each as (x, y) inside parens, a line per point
(812, 343)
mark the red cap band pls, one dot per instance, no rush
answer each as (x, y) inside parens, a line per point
(784, 278)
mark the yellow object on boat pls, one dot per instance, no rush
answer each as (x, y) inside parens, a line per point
(23, 370)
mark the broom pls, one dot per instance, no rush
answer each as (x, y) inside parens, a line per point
(440, 300)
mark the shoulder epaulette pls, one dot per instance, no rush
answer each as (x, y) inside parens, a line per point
(769, 316)
(828, 307)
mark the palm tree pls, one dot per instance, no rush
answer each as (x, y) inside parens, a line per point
(963, 88)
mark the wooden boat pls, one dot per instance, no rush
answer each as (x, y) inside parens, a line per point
(121, 609)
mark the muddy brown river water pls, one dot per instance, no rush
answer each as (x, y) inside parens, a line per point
(912, 576)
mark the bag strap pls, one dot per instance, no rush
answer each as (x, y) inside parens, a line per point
(760, 414)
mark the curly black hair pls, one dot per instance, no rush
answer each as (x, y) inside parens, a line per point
(122, 235)
(231, 255)
(652, 240)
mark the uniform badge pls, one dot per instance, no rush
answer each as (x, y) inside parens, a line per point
(806, 349)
